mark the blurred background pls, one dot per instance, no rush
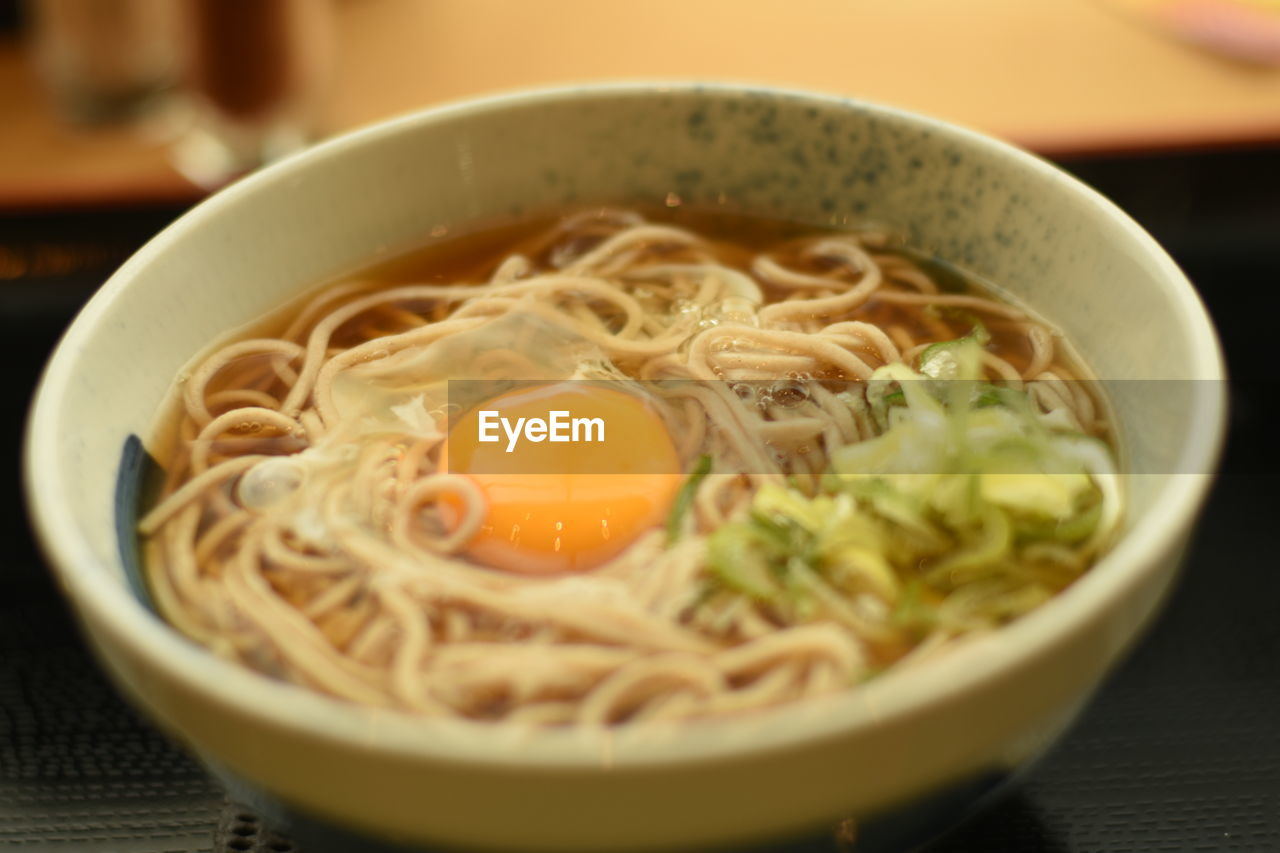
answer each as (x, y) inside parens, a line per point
(117, 115)
(118, 101)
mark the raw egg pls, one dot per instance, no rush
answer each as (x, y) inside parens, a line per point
(572, 473)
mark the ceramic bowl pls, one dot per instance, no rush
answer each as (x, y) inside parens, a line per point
(903, 755)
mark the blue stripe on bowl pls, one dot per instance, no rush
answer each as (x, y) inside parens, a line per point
(136, 467)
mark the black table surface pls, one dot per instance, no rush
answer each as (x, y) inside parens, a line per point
(1180, 751)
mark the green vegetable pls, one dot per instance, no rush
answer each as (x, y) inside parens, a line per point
(912, 613)
(684, 498)
(926, 524)
(958, 359)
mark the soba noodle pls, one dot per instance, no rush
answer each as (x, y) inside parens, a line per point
(298, 539)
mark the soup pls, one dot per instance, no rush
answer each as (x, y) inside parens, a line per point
(608, 468)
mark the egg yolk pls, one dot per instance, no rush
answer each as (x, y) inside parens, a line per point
(566, 505)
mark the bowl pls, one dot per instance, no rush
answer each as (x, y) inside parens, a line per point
(898, 758)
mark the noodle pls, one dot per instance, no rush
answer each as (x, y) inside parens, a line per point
(366, 593)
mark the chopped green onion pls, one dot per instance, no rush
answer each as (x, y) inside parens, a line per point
(684, 499)
(968, 508)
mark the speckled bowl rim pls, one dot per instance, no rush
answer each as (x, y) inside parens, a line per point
(105, 600)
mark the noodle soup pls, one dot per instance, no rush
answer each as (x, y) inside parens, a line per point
(821, 455)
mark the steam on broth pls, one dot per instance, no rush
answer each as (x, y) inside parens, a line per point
(825, 455)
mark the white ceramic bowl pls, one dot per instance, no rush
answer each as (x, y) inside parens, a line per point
(973, 715)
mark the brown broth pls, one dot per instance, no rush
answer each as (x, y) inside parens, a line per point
(471, 254)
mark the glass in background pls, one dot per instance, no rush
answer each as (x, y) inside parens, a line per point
(255, 74)
(105, 60)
